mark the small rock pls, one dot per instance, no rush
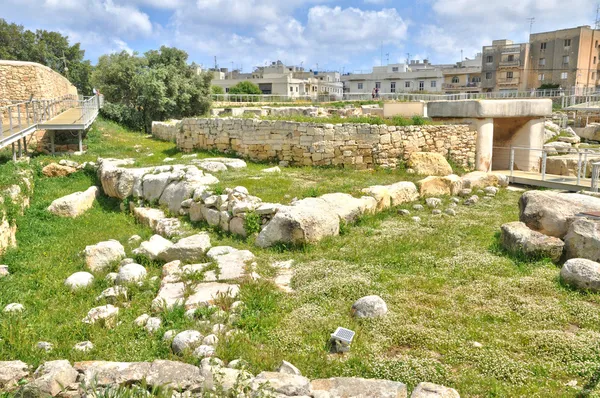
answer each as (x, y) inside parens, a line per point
(212, 362)
(52, 377)
(369, 307)
(454, 199)
(237, 364)
(58, 170)
(4, 271)
(168, 160)
(418, 207)
(169, 335)
(416, 219)
(288, 368)
(472, 200)
(113, 294)
(450, 212)
(275, 169)
(219, 328)
(186, 340)
(107, 314)
(211, 339)
(404, 212)
(477, 345)
(153, 324)
(572, 383)
(45, 346)
(111, 277)
(84, 346)
(68, 163)
(79, 280)
(581, 273)
(131, 273)
(465, 192)
(436, 212)
(126, 261)
(204, 351)
(141, 320)
(428, 390)
(14, 307)
(432, 203)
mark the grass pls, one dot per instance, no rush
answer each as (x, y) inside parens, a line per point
(446, 282)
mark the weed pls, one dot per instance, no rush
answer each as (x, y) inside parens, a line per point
(252, 223)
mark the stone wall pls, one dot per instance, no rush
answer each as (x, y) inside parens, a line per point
(360, 146)
(166, 131)
(19, 80)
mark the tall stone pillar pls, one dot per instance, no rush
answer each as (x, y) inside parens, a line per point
(529, 135)
(484, 145)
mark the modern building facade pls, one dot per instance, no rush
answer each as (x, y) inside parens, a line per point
(396, 78)
(566, 58)
(279, 79)
(505, 66)
(464, 77)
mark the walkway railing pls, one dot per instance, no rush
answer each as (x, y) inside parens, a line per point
(539, 156)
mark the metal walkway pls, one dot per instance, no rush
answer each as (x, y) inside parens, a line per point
(18, 120)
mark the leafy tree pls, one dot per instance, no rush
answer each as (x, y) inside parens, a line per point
(217, 90)
(156, 86)
(47, 48)
(245, 87)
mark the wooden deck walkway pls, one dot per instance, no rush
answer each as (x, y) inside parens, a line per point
(553, 181)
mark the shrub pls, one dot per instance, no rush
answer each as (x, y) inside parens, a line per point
(217, 90)
(252, 223)
(245, 87)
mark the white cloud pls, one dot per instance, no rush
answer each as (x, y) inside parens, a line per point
(379, 2)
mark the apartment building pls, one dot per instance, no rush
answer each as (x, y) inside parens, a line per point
(505, 66)
(567, 58)
(396, 78)
(463, 77)
(279, 79)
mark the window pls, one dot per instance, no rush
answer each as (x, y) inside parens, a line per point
(377, 84)
(226, 89)
(541, 77)
(392, 87)
(407, 84)
(291, 89)
(509, 75)
(489, 59)
(596, 45)
(594, 60)
(433, 84)
(543, 46)
(511, 58)
(567, 42)
(360, 86)
(296, 89)
(455, 80)
(566, 59)
(394, 69)
(488, 75)
(476, 79)
(421, 85)
(564, 75)
(542, 62)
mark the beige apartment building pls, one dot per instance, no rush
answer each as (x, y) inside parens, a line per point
(504, 66)
(568, 58)
(463, 77)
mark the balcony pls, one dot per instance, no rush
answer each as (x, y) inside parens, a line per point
(460, 86)
(510, 64)
(511, 50)
(508, 81)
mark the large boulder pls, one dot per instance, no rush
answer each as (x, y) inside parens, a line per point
(358, 387)
(402, 192)
(148, 216)
(190, 249)
(231, 262)
(347, 207)
(430, 390)
(175, 375)
(75, 204)
(11, 372)
(101, 255)
(436, 186)
(131, 273)
(480, 179)
(429, 164)
(187, 340)
(568, 165)
(175, 193)
(57, 170)
(548, 212)
(381, 194)
(105, 374)
(517, 238)
(307, 221)
(152, 248)
(582, 274)
(583, 239)
(369, 307)
(53, 377)
(283, 383)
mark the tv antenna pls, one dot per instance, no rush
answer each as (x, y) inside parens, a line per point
(597, 24)
(531, 22)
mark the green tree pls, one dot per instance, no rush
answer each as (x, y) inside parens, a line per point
(217, 90)
(159, 85)
(245, 88)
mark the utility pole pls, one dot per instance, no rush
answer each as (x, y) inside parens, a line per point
(216, 66)
(388, 58)
(597, 16)
(531, 22)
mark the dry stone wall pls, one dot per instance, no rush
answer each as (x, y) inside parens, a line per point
(20, 80)
(360, 146)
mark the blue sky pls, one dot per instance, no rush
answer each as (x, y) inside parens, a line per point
(335, 35)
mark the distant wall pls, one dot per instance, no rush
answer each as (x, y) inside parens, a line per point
(19, 80)
(404, 109)
(359, 146)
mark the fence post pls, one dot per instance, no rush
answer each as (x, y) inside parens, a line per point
(579, 168)
(512, 161)
(544, 157)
